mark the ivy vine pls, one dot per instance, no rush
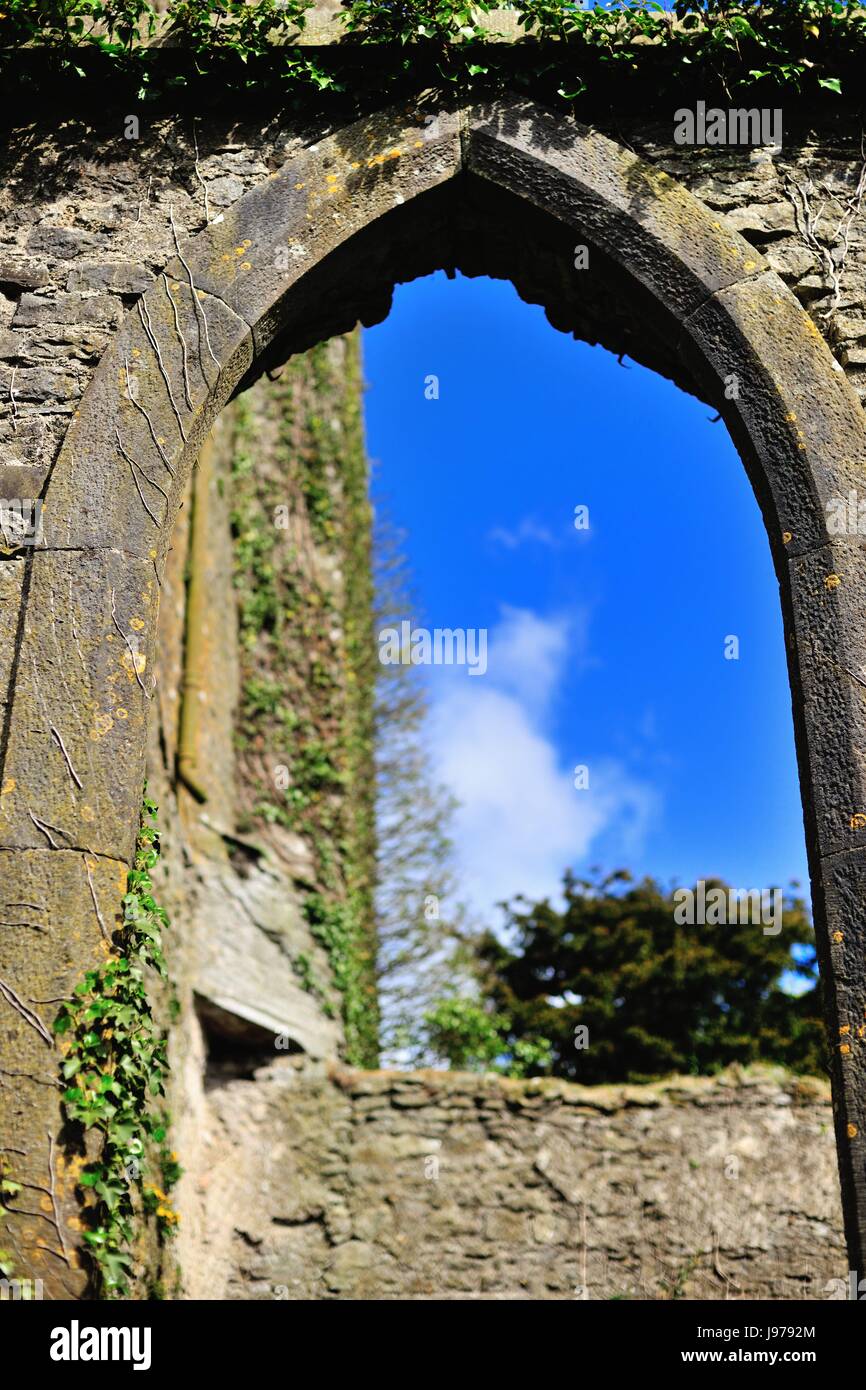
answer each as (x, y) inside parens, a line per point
(564, 50)
(306, 695)
(115, 1064)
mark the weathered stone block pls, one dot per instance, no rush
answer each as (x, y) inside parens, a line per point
(65, 243)
(753, 340)
(11, 581)
(43, 384)
(763, 220)
(119, 277)
(23, 275)
(37, 310)
(75, 758)
(244, 959)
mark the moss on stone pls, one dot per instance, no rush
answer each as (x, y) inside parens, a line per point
(301, 534)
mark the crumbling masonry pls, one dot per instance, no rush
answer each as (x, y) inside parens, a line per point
(144, 286)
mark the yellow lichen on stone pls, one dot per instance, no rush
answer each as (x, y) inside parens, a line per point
(101, 725)
(133, 663)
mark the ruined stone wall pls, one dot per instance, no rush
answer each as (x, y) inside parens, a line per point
(85, 229)
(804, 211)
(333, 1184)
(256, 667)
(89, 221)
(257, 661)
(253, 673)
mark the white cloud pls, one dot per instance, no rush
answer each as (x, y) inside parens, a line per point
(527, 653)
(521, 821)
(527, 530)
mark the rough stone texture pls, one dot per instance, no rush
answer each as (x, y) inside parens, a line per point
(11, 580)
(253, 930)
(122, 336)
(234, 894)
(373, 1185)
(51, 930)
(87, 683)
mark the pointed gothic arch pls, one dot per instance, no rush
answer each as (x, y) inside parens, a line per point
(509, 190)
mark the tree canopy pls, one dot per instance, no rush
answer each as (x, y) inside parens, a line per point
(616, 986)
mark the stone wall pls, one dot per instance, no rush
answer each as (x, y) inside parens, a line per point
(259, 593)
(90, 220)
(237, 709)
(324, 1183)
(236, 870)
(85, 229)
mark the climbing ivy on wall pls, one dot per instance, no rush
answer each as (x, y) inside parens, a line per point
(114, 1067)
(617, 52)
(306, 659)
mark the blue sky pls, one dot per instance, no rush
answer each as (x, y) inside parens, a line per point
(606, 645)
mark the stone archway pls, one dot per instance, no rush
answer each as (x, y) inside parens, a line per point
(507, 189)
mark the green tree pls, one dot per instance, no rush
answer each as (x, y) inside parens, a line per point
(472, 1038)
(653, 994)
